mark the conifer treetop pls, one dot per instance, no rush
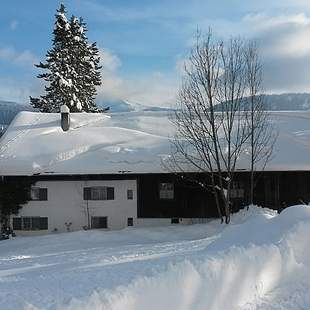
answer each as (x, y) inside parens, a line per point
(71, 68)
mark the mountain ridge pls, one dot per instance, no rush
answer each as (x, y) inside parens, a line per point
(273, 102)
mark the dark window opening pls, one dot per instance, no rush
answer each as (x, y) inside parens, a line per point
(26, 223)
(99, 222)
(17, 223)
(175, 221)
(237, 190)
(99, 193)
(30, 223)
(43, 223)
(129, 194)
(166, 191)
(130, 221)
(38, 193)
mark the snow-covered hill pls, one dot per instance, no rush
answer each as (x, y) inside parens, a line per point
(288, 102)
(260, 261)
(127, 106)
(282, 102)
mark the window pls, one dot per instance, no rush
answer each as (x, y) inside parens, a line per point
(17, 223)
(99, 222)
(30, 223)
(237, 190)
(26, 223)
(129, 194)
(166, 191)
(38, 193)
(130, 221)
(175, 221)
(99, 193)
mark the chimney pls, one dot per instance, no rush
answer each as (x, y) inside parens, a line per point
(65, 117)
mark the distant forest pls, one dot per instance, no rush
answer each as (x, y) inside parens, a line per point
(284, 102)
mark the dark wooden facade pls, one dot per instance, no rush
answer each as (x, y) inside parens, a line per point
(273, 190)
(190, 201)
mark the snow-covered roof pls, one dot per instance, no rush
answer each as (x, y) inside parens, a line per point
(95, 144)
(133, 142)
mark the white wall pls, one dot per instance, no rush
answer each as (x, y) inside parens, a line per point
(65, 204)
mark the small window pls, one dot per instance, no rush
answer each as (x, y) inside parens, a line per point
(17, 223)
(129, 194)
(99, 193)
(30, 223)
(35, 223)
(43, 223)
(130, 221)
(237, 190)
(175, 221)
(26, 223)
(166, 191)
(38, 193)
(99, 222)
(237, 193)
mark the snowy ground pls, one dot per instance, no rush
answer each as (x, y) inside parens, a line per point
(260, 261)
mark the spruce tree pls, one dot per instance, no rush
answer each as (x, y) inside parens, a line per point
(72, 67)
(85, 62)
(56, 77)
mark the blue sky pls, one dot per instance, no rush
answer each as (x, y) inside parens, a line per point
(144, 43)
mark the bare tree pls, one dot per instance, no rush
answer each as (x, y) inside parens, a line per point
(210, 128)
(262, 135)
(220, 116)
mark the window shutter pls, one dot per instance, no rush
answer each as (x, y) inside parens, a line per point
(17, 223)
(43, 194)
(110, 193)
(129, 221)
(103, 222)
(43, 223)
(129, 194)
(26, 223)
(87, 193)
(35, 223)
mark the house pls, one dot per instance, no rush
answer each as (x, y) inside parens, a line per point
(101, 171)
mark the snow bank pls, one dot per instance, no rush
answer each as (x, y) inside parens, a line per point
(232, 277)
(221, 282)
(260, 261)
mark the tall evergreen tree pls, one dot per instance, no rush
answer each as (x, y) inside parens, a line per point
(85, 62)
(72, 67)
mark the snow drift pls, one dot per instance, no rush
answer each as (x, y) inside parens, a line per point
(260, 261)
(248, 262)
